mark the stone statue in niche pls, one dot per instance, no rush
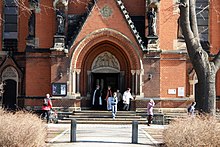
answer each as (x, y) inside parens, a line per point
(60, 23)
(31, 25)
(152, 18)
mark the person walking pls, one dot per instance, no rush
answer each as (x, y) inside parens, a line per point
(114, 102)
(47, 106)
(126, 99)
(191, 109)
(150, 106)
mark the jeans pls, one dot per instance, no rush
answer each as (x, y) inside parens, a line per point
(126, 107)
(114, 110)
(47, 114)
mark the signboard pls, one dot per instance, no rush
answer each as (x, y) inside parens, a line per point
(59, 89)
(181, 91)
(171, 91)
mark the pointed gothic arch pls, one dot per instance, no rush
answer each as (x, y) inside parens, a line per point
(98, 43)
(10, 79)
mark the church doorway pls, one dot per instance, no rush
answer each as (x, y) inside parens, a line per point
(104, 80)
(9, 95)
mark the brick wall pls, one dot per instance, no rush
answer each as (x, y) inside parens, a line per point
(214, 26)
(151, 87)
(37, 74)
(167, 24)
(215, 35)
(172, 74)
(45, 24)
(23, 18)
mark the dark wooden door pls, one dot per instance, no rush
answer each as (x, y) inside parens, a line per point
(9, 95)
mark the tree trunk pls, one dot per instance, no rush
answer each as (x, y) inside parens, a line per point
(205, 70)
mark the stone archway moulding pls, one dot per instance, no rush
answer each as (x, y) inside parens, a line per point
(129, 48)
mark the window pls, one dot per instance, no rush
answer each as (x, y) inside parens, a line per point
(10, 34)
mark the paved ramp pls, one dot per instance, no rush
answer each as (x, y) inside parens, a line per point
(88, 135)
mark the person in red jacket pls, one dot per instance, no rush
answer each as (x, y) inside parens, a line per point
(47, 106)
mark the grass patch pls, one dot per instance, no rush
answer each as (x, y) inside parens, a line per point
(21, 129)
(193, 132)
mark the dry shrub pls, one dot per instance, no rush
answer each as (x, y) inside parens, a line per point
(193, 132)
(21, 129)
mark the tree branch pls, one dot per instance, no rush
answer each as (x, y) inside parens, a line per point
(186, 27)
(193, 19)
(216, 61)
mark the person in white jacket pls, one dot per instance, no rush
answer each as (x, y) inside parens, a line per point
(126, 99)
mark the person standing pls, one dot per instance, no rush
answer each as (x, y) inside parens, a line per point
(108, 98)
(96, 99)
(150, 106)
(114, 102)
(120, 100)
(126, 99)
(47, 106)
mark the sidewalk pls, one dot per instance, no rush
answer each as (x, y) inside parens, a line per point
(99, 135)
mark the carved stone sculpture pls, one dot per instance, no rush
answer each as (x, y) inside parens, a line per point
(151, 15)
(60, 23)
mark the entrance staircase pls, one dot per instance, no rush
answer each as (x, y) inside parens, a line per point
(161, 116)
(105, 117)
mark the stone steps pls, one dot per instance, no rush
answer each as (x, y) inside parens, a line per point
(122, 117)
(100, 117)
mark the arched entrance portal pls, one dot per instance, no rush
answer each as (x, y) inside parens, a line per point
(10, 80)
(105, 72)
(108, 58)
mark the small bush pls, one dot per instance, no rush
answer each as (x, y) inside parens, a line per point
(21, 129)
(193, 132)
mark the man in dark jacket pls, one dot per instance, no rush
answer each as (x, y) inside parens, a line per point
(96, 99)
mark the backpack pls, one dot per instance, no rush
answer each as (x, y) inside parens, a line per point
(45, 101)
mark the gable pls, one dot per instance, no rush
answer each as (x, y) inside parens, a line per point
(113, 15)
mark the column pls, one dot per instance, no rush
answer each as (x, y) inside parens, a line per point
(133, 82)
(141, 82)
(137, 82)
(77, 79)
(74, 81)
(69, 82)
(89, 78)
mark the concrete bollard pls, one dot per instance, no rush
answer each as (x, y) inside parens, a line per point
(73, 131)
(135, 131)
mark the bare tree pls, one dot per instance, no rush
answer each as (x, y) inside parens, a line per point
(205, 66)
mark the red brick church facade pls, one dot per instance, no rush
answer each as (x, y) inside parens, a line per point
(66, 48)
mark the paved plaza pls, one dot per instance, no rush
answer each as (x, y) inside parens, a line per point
(89, 135)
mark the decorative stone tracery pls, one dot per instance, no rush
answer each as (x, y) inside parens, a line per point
(105, 61)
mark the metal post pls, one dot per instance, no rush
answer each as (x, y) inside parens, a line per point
(73, 131)
(135, 131)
